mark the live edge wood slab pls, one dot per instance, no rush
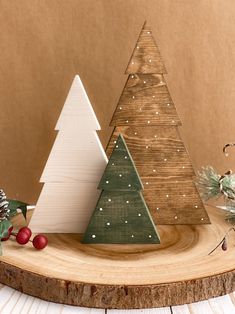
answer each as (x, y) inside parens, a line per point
(176, 272)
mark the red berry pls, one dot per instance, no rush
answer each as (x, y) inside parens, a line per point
(9, 233)
(22, 237)
(40, 242)
(26, 230)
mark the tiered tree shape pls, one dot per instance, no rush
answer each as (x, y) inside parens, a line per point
(121, 214)
(147, 118)
(73, 169)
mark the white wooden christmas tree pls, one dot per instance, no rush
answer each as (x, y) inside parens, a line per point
(73, 169)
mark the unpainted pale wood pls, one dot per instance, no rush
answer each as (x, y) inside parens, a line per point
(65, 207)
(125, 276)
(145, 101)
(146, 57)
(77, 110)
(75, 157)
(73, 169)
(166, 172)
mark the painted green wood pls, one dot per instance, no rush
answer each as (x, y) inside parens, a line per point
(120, 173)
(121, 217)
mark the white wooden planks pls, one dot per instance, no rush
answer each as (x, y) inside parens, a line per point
(163, 310)
(12, 301)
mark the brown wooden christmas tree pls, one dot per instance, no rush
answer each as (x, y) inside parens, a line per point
(147, 118)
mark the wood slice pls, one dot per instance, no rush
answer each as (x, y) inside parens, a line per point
(177, 271)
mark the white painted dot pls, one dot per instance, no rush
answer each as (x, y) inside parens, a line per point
(147, 147)
(115, 142)
(132, 76)
(135, 133)
(133, 97)
(109, 200)
(150, 60)
(148, 122)
(140, 109)
(178, 150)
(127, 121)
(132, 62)
(176, 217)
(168, 105)
(93, 236)
(120, 175)
(132, 235)
(196, 206)
(101, 209)
(167, 195)
(126, 221)
(157, 208)
(107, 182)
(202, 218)
(127, 202)
(116, 146)
(144, 82)
(155, 136)
(183, 167)
(138, 47)
(129, 185)
(147, 183)
(153, 96)
(148, 32)
(120, 108)
(113, 164)
(125, 157)
(184, 195)
(139, 215)
(108, 224)
(165, 159)
(150, 236)
(173, 121)
(154, 170)
(157, 112)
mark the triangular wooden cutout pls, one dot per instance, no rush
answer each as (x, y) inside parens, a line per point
(77, 111)
(145, 101)
(121, 215)
(146, 57)
(120, 172)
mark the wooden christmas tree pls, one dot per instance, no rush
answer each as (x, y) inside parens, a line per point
(121, 214)
(147, 118)
(73, 170)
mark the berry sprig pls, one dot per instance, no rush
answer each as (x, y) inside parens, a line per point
(23, 237)
(224, 242)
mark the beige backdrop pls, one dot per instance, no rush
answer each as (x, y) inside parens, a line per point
(43, 44)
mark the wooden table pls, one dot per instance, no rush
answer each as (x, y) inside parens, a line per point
(14, 302)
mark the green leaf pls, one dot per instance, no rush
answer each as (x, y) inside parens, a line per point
(4, 226)
(14, 205)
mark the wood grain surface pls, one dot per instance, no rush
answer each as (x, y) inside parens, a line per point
(125, 276)
(145, 101)
(166, 172)
(146, 57)
(73, 169)
(152, 136)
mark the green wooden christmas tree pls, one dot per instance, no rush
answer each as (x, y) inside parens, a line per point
(121, 214)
